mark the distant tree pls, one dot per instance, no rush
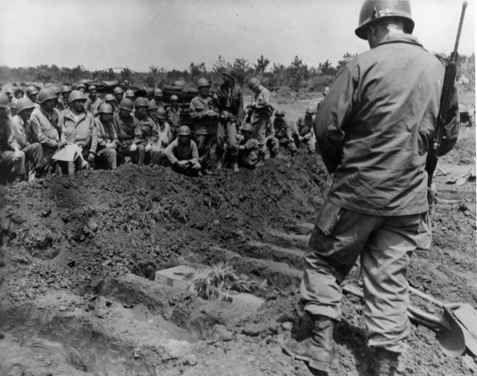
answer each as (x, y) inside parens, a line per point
(197, 70)
(346, 59)
(241, 67)
(262, 64)
(220, 64)
(327, 69)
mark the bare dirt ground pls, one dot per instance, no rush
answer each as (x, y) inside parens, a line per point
(79, 296)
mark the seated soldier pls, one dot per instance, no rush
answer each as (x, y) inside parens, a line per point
(165, 137)
(183, 154)
(78, 127)
(283, 132)
(304, 132)
(44, 125)
(248, 147)
(146, 132)
(12, 159)
(105, 147)
(174, 116)
(151, 110)
(34, 160)
(125, 127)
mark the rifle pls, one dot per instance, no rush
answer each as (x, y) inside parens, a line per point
(446, 97)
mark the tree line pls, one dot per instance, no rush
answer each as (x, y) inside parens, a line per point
(297, 76)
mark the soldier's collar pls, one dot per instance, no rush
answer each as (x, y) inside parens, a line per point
(399, 38)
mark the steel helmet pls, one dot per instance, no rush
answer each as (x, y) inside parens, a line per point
(92, 88)
(4, 101)
(174, 98)
(45, 95)
(253, 82)
(310, 110)
(66, 89)
(126, 104)
(160, 113)
(184, 130)
(31, 90)
(109, 98)
(7, 89)
(80, 86)
(105, 108)
(56, 89)
(229, 72)
(117, 90)
(373, 10)
(24, 104)
(279, 113)
(141, 102)
(14, 104)
(158, 93)
(247, 127)
(76, 95)
(129, 93)
(152, 106)
(202, 83)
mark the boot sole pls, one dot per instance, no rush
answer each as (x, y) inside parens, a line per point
(312, 363)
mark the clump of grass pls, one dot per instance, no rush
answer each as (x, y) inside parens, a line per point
(223, 279)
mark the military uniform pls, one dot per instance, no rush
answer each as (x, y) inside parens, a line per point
(177, 151)
(93, 106)
(173, 115)
(248, 155)
(304, 129)
(105, 147)
(374, 130)
(9, 164)
(45, 129)
(283, 133)
(260, 112)
(146, 134)
(125, 128)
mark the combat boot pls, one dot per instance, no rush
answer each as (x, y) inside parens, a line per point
(386, 362)
(317, 350)
(261, 160)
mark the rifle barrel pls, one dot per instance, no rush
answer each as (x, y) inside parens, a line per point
(464, 6)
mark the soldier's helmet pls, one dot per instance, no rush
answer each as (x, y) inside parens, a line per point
(66, 89)
(202, 83)
(158, 93)
(184, 131)
(92, 88)
(253, 82)
(117, 90)
(105, 108)
(229, 72)
(109, 98)
(310, 110)
(141, 102)
(160, 113)
(174, 98)
(45, 95)
(80, 86)
(76, 95)
(4, 101)
(247, 127)
(24, 104)
(152, 106)
(126, 104)
(31, 90)
(280, 113)
(373, 10)
(129, 93)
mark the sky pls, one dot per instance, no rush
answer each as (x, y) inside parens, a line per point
(101, 34)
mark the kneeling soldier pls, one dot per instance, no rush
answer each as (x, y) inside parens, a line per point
(107, 138)
(248, 148)
(183, 154)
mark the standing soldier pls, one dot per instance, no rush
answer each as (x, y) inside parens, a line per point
(118, 97)
(374, 130)
(146, 130)
(78, 127)
(283, 132)
(44, 124)
(229, 100)
(12, 159)
(205, 114)
(104, 147)
(20, 126)
(304, 132)
(173, 114)
(63, 102)
(125, 127)
(259, 113)
(157, 101)
(92, 102)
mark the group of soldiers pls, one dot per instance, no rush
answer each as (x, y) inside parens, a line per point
(125, 128)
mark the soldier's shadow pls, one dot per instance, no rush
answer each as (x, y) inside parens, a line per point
(344, 334)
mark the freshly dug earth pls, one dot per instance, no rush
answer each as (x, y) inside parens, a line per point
(79, 296)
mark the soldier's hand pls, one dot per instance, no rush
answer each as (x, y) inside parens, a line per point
(90, 157)
(133, 147)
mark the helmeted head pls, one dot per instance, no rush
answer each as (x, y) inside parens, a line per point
(248, 130)
(151, 108)
(129, 94)
(14, 106)
(47, 99)
(8, 91)
(57, 90)
(92, 90)
(81, 87)
(174, 99)
(77, 99)
(374, 10)
(203, 86)
(105, 112)
(4, 104)
(25, 107)
(280, 114)
(254, 84)
(184, 133)
(228, 75)
(160, 115)
(118, 93)
(140, 106)
(109, 98)
(310, 111)
(65, 91)
(158, 95)
(32, 93)
(125, 107)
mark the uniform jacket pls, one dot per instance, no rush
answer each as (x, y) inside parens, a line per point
(45, 128)
(261, 106)
(230, 102)
(178, 152)
(79, 131)
(164, 135)
(282, 130)
(204, 123)
(304, 126)
(7, 140)
(125, 128)
(106, 135)
(92, 106)
(173, 116)
(20, 131)
(145, 132)
(376, 125)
